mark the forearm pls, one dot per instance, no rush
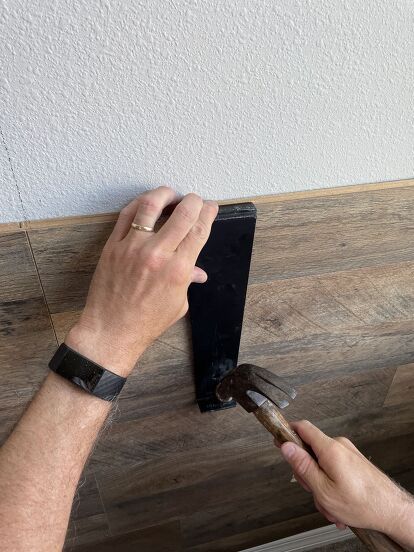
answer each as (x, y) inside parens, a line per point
(400, 526)
(139, 289)
(41, 462)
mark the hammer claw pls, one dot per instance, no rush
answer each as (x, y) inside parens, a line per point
(248, 377)
(270, 378)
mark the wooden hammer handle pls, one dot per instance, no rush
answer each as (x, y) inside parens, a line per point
(271, 418)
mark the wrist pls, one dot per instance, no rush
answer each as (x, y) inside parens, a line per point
(102, 349)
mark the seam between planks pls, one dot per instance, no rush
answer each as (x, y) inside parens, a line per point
(41, 286)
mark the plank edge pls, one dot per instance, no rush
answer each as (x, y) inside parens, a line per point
(6, 228)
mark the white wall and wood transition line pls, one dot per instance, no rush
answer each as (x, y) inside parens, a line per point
(102, 99)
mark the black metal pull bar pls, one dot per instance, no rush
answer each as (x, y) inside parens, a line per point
(217, 307)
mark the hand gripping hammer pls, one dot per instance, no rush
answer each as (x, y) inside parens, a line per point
(257, 390)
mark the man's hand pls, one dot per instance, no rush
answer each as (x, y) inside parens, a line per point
(140, 285)
(139, 289)
(347, 488)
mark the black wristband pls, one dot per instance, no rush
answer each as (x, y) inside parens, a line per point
(87, 375)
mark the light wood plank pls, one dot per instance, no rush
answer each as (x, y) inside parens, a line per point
(402, 387)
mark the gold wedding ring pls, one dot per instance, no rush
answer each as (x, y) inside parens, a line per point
(136, 226)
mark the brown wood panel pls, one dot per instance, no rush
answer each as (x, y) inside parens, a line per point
(159, 538)
(327, 234)
(88, 521)
(26, 334)
(330, 305)
(402, 387)
(66, 258)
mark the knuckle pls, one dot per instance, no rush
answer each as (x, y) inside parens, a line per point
(200, 231)
(343, 440)
(125, 211)
(334, 449)
(153, 259)
(185, 213)
(211, 208)
(164, 189)
(147, 206)
(180, 272)
(194, 197)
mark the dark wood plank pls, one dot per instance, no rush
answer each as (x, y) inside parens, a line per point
(262, 535)
(293, 238)
(168, 478)
(66, 258)
(159, 538)
(26, 335)
(324, 329)
(330, 306)
(272, 510)
(86, 530)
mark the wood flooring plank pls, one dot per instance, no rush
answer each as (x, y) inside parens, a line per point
(402, 387)
(311, 329)
(159, 538)
(295, 238)
(262, 535)
(26, 335)
(168, 482)
(66, 258)
(85, 531)
(321, 235)
(181, 426)
(255, 514)
(330, 306)
(18, 280)
(12, 405)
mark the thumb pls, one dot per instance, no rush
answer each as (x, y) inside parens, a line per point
(199, 276)
(303, 464)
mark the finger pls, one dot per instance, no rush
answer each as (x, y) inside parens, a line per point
(313, 436)
(303, 465)
(196, 238)
(149, 207)
(128, 213)
(183, 218)
(199, 276)
(125, 218)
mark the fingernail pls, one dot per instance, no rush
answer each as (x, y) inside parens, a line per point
(288, 450)
(212, 203)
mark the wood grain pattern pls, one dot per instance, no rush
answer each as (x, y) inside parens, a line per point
(330, 306)
(26, 334)
(402, 388)
(159, 538)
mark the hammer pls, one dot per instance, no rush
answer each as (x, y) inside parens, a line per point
(257, 390)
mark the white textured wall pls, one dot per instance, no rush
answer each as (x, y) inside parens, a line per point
(103, 98)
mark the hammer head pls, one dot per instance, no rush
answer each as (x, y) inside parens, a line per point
(251, 385)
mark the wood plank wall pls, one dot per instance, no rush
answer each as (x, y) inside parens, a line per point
(330, 306)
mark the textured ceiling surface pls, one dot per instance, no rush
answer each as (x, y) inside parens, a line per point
(101, 99)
